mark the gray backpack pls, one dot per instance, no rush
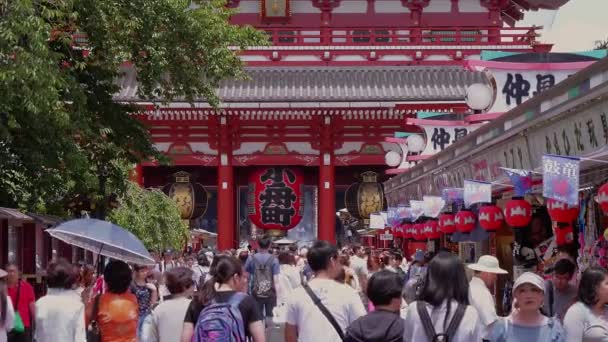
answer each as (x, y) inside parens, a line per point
(263, 279)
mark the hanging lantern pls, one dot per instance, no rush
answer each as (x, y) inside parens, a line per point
(431, 230)
(563, 232)
(366, 197)
(418, 232)
(275, 200)
(407, 231)
(602, 198)
(561, 211)
(446, 223)
(465, 221)
(490, 217)
(518, 212)
(191, 198)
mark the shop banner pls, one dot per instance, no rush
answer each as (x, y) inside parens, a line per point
(521, 180)
(392, 216)
(452, 194)
(433, 205)
(417, 209)
(376, 221)
(404, 212)
(561, 178)
(477, 192)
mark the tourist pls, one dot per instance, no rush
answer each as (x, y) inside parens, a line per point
(384, 324)
(200, 270)
(526, 323)
(587, 319)
(24, 302)
(414, 277)
(303, 266)
(115, 311)
(373, 264)
(7, 313)
(264, 270)
(560, 293)
(486, 271)
(145, 292)
(60, 314)
(359, 266)
(289, 277)
(85, 282)
(398, 265)
(347, 274)
(443, 305)
(167, 319)
(227, 281)
(305, 320)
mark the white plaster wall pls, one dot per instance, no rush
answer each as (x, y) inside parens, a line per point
(471, 6)
(249, 148)
(202, 147)
(163, 147)
(349, 147)
(352, 6)
(249, 6)
(438, 6)
(301, 148)
(303, 6)
(390, 6)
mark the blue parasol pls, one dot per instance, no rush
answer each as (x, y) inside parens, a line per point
(103, 238)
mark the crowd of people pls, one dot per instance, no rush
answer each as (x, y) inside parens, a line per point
(312, 294)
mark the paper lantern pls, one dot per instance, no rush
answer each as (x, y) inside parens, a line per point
(416, 143)
(490, 217)
(398, 231)
(518, 212)
(561, 211)
(602, 198)
(418, 232)
(431, 230)
(465, 221)
(275, 200)
(563, 232)
(366, 197)
(393, 158)
(191, 198)
(407, 231)
(446, 223)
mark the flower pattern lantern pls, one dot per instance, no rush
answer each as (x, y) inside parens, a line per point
(191, 198)
(490, 217)
(275, 200)
(465, 221)
(366, 197)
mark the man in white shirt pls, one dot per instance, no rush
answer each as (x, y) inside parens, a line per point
(359, 265)
(305, 321)
(60, 314)
(166, 321)
(486, 270)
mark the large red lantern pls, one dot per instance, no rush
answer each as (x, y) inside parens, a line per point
(418, 232)
(561, 211)
(398, 231)
(431, 230)
(602, 198)
(564, 233)
(446, 223)
(275, 200)
(490, 217)
(465, 221)
(406, 234)
(518, 212)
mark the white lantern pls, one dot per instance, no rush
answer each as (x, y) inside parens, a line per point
(416, 143)
(392, 158)
(479, 96)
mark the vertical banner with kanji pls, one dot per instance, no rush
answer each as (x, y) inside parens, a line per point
(392, 216)
(452, 194)
(404, 212)
(561, 178)
(477, 192)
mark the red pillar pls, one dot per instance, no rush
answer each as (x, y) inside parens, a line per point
(225, 190)
(327, 194)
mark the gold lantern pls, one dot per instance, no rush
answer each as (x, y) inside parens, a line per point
(365, 197)
(192, 199)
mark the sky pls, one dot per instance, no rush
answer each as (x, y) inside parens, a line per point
(576, 26)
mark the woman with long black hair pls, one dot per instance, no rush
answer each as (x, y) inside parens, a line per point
(226, 285)
(443, 309)
(7, 314)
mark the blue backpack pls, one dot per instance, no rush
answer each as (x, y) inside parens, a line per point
(221, 322)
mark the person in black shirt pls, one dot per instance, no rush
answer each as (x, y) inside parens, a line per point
(227, 278)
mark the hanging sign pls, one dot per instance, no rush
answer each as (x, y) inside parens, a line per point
(561, 178)
(376, 221)
(520, 179)
(386, 236)
(417, 208)
(275, 199)
(477, 192)
(392, 216)
(404, 212)
(433, 205)
(452, 194)
(440, 135)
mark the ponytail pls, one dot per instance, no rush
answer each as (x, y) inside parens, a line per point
(207, 291)
(222, 269)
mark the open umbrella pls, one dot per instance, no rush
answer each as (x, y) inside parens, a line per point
(103, 238)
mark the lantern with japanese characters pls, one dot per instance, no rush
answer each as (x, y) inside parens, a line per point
(602, 198)
(366, 197)
(191, 198)
(518, 213)
(465, 221)
(446, 223)
(418, 232)
(275, 201)
(431, 230)
(490, 217)
(562, 216)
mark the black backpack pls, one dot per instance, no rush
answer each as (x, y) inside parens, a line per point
(429, 329)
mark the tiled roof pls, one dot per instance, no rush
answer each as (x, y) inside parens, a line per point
(338, 84)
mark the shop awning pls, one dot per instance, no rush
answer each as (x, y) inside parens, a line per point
(14, 216)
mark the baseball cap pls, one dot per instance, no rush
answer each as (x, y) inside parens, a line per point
(529, 278)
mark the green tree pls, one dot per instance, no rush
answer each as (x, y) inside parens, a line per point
(61, 133)
(152, 216)
(601, 44)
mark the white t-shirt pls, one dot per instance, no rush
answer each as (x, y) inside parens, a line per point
(289, 279)
(582, 325)
(481, 299)
(166, 321)
(8, 320)
(341, 300)
(359, 265)
(469, 329)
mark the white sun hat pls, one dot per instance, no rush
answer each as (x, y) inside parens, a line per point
(529, 278)
(487, 263)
